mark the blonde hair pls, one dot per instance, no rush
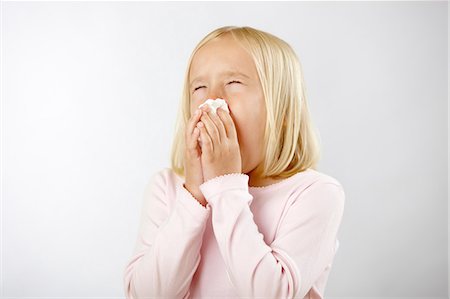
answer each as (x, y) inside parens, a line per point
(290, 137)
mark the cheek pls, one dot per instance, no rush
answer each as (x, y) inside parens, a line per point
(248, 126)
(195, 102)
(247, 110)
(198, 97)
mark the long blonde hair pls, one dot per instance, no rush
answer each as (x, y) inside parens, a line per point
(291, 143)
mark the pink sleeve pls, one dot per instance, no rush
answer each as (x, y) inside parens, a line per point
(303, 247)
(167, 250)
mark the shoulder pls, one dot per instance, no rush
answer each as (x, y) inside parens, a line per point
(163, 178)
(163, 183)
(319, 188)
(318, 177)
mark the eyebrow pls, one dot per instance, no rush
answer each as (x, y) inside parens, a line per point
(226, 73)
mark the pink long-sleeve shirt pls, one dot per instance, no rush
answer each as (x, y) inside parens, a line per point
(276, 241)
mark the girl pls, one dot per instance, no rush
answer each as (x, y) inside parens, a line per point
(246, 214)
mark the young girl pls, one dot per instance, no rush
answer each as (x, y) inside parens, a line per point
(246, 214)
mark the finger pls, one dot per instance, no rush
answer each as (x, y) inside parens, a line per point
(228, 122)
(191, 136)
(193, 121)
(193, 142)
(218, 123)
(207, 144)
(211, 128)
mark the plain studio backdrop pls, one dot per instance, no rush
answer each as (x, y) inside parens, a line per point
(89, 97)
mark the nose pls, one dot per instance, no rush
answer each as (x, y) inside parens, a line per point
(218, 96)
(216, 91)
(215, 96)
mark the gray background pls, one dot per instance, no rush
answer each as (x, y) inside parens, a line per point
(89, 98)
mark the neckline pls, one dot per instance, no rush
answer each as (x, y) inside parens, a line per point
(278, 184)
(271, 186)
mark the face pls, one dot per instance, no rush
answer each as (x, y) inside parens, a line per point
(223, 69)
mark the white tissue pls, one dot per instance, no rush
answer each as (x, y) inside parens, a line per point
(215, 104)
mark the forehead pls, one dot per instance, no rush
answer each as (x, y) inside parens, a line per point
(221, 57)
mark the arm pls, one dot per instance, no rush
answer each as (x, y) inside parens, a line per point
(304, 243)
(166, 253)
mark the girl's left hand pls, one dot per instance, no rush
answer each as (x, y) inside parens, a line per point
(220, 147)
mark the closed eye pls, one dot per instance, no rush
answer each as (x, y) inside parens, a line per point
(234, 81)
(198, 87)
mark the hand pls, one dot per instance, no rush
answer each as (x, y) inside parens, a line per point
(192, 160)
(220, 147)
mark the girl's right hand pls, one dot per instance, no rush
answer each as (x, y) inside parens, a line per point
(192, 159)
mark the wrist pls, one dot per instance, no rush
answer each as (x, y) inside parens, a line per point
(196, 194)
